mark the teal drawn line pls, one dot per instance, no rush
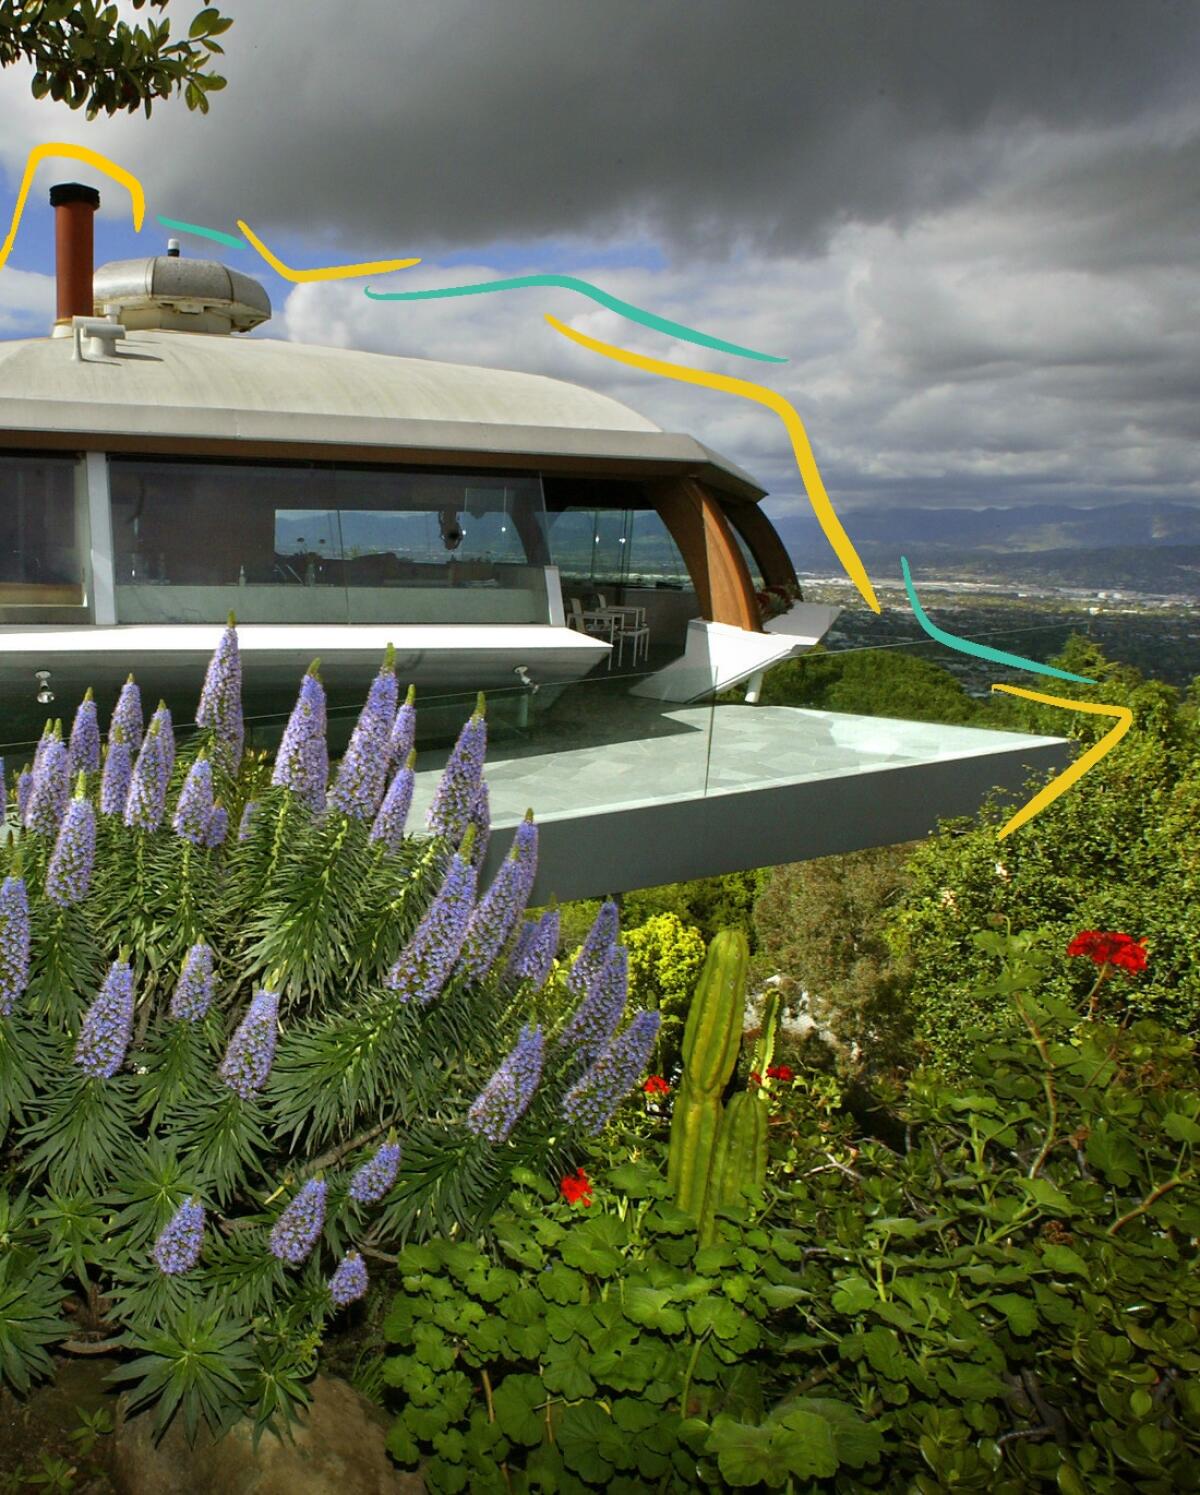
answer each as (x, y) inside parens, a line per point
(585, 288)
(205, 233)
(984, 651)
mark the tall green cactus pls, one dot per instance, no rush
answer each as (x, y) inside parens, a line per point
(740, 1164)
(710, 1048)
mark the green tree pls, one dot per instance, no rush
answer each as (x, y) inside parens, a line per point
(820, 926)
(84, 55)
(665, 956)
(872, 682)
(1118, 851)
(708, 903)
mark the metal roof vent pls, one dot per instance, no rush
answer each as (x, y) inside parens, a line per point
(167, 291)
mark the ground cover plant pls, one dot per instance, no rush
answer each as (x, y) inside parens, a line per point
(1005, 1298)
(255, 1035)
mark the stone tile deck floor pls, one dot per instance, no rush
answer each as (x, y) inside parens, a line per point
(608, 751)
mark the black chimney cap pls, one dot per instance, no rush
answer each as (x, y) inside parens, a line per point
(66, 192)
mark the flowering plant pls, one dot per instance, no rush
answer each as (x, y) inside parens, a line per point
(576, 1189)
(237, 1069)
(1120, 950)
(773, 601)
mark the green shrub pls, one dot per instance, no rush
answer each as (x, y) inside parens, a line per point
(665, 957)
(1015, 1297)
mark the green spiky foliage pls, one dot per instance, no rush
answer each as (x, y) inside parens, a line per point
(117, 1120)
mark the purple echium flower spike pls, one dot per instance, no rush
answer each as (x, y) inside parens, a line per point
(370, 1182)
(247, 816)
(177, 1249)
(247, 1061)
(593, 1099)
(389, 824)
(502, 905)
(297, 1229)
(14, 942)
(194, 992)
(43, 743)
(107, 1025)
(592, 954)
(481, 819)
(302, 762)
(127, 714)
(118, 770)
(450, 812)
(362, 772)
(195, 806)
(425, 965)
(537, 945)
(50, 791)
(506, 1096)
(349, 1281)
(220, 708)
(24, 790)
(69, 872)
(597, 1017)
(147, 797)
(217, 828)
(166, 730)
(404, 730)
(83, 754)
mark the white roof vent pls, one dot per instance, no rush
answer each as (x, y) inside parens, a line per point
(170, 292)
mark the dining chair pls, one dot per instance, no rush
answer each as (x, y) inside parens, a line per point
(634, 630)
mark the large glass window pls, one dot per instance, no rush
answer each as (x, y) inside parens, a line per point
(325, 543)
(41, 545)
(616, 547)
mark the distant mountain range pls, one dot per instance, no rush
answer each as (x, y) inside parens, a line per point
(1148, 547)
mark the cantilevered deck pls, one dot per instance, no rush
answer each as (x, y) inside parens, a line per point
(663, 796)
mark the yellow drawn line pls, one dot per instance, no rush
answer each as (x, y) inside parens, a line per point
(1086, 761)
(327, 272)
(76, 153)
(805, 460)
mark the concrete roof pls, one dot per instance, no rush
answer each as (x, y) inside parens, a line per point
(161, 384)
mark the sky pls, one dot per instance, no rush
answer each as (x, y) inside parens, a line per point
(971, 228)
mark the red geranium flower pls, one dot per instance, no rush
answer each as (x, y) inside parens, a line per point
(779, 1072)
(575, 1187)
(1110, 948)
(656, 1085)
(755, 1077)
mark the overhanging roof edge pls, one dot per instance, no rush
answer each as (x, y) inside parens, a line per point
(96, 425)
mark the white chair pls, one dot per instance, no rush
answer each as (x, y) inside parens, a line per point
(592, 625)
(633, 629)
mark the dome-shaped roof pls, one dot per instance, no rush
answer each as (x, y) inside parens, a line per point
(162, 386)
(186, 295)
(152, 373)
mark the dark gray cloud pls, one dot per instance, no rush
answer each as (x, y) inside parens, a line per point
(710, 124)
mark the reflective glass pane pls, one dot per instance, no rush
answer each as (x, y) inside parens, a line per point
(41, 554)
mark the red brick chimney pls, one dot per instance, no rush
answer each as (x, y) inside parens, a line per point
(74, 207)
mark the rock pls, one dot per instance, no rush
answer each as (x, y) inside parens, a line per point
(338, 1449)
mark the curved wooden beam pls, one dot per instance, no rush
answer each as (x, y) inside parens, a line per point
(763, 542)
(712, 555)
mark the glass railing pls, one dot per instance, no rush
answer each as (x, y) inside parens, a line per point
(606, 740)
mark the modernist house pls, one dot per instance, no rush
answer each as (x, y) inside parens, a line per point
(159, 470)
